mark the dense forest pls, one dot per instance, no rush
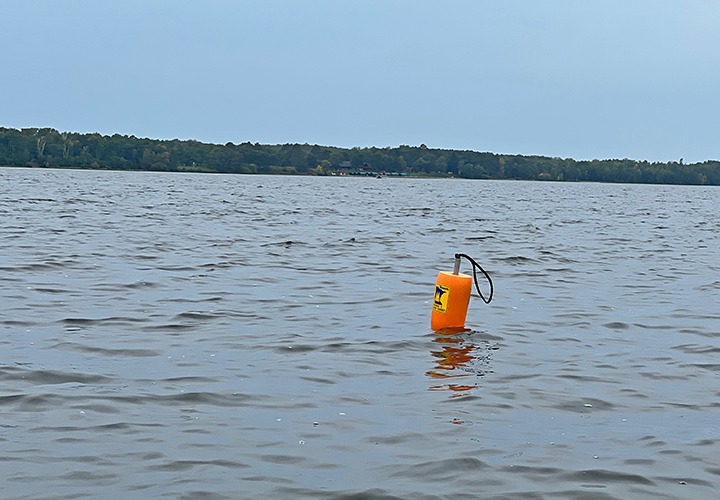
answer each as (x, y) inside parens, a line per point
(46, 147)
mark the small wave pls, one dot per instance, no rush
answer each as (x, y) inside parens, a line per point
(518, 259)
(405, 437)
(654, 327)
(318, 380)
(37, 200)
(713, 367)
(44, 402)
(607, 476)
(52, 291)
(50, 377)
(564, 271)
(122, 287)
(104, 351)
(37, 267)
(14, 322)
(479, 238)
(584, 405)
(715, 285)
(175, 268)
(116, 427)
(168, 327)
(183, 465)
(208, 380)
(698, 349)
(282, 459)
(286, 244)
(113, 320)
(442, 470)
(617, 325)
(96, 478)
(197, 316)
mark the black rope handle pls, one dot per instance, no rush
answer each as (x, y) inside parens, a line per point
(487, 276)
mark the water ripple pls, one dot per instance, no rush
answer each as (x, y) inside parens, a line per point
(211, 336)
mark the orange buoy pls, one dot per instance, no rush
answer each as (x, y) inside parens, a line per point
(452, 296)
(450, 304)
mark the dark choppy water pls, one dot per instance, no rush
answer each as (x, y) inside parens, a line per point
(209, 337)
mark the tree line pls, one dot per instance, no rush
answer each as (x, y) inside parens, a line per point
(47, 147)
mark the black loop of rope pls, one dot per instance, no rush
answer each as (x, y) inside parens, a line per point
(487, 276)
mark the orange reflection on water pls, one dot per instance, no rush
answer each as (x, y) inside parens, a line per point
(455, 355)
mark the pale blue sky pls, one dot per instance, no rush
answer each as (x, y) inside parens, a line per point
(569, 78)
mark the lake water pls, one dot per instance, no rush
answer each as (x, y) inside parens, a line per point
(199, 336)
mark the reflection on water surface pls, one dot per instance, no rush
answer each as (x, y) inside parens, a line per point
(461, 358)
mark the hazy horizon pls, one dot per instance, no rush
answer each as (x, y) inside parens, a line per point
(561, 78)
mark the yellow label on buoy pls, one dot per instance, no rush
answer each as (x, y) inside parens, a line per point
(440, 302)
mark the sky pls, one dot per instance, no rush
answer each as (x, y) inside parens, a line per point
(576, 79)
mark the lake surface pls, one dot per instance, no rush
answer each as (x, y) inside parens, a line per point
(199, 336)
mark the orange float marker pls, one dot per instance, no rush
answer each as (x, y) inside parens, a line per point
(450, 304)
(452, 296)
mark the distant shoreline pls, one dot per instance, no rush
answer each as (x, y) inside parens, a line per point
(49, 148)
